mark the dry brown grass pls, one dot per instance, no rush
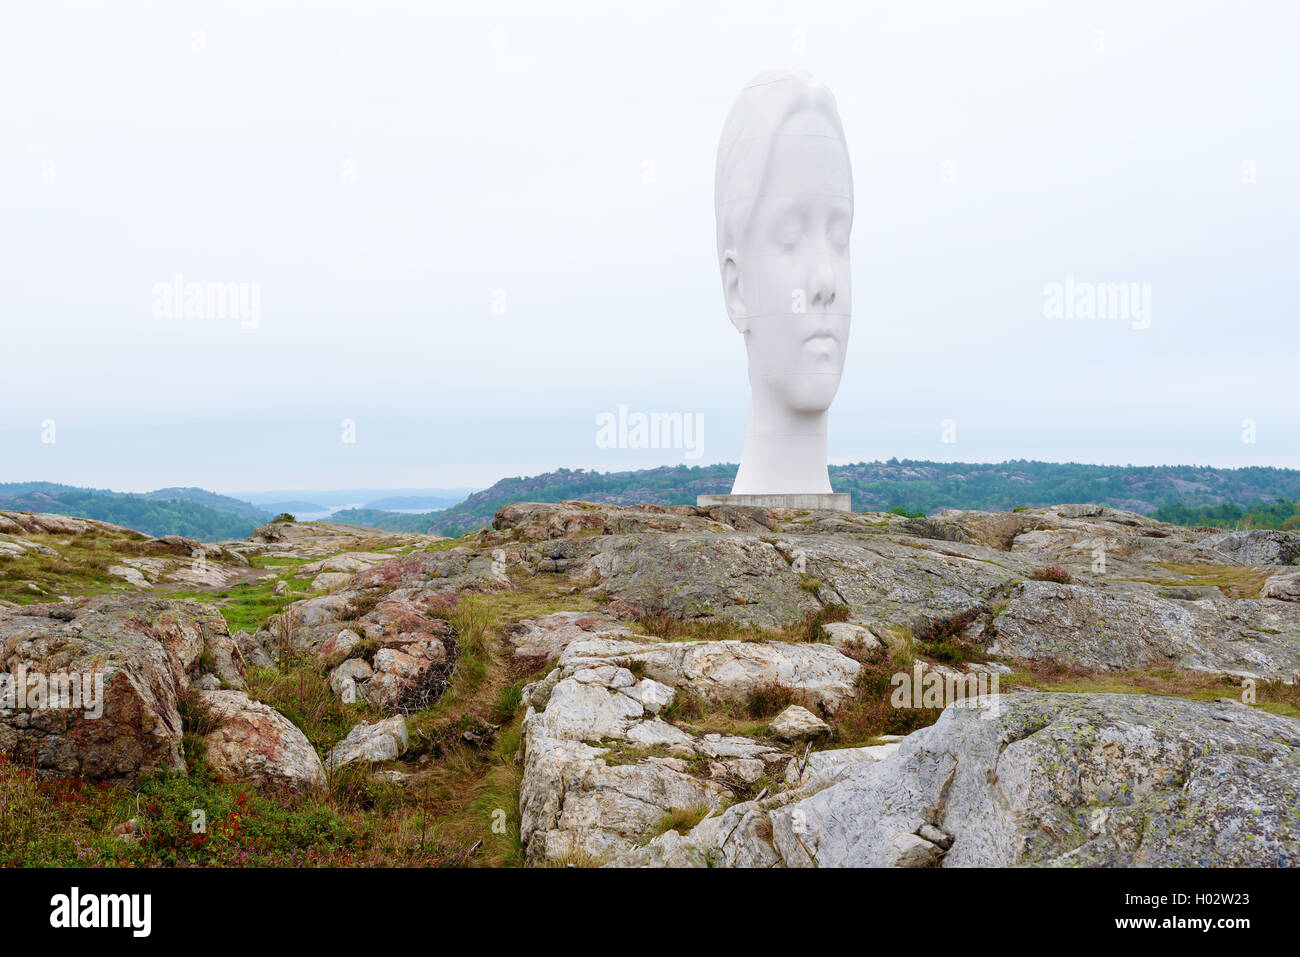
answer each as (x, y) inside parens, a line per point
(1235, 581)
(1048, 675)
(870, 713)
(681, 819)
(807, 628)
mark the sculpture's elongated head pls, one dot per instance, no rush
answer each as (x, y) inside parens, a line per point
(783, 198)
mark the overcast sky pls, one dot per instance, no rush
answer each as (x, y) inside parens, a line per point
(471, 233)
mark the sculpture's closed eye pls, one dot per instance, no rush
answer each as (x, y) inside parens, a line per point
(790, 231)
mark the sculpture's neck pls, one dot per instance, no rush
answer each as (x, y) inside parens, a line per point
(785, 450)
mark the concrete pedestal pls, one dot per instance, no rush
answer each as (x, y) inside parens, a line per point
(812, 501)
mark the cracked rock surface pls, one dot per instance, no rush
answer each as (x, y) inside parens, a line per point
(1140, 593)
(1034, 779)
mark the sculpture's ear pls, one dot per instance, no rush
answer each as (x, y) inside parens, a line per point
(731, 292)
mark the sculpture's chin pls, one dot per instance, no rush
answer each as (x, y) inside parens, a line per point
(810, 392)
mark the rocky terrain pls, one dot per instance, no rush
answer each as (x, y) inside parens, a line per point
(86, 553)
(589, 684)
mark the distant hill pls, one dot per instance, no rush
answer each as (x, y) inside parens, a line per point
(202, 496)
(880, 486)
(930, 485)
(166, 515)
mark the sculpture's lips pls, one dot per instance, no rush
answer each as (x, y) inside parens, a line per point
(822, 340)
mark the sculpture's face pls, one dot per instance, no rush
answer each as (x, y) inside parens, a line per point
(787, 283)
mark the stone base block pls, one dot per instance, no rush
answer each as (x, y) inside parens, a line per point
(810, 501)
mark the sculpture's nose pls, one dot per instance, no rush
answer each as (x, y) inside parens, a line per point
(823, 286)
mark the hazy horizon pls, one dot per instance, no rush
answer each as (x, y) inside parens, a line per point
(262, 497)
(469, 235)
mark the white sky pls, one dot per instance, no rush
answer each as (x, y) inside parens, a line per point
(500, 149)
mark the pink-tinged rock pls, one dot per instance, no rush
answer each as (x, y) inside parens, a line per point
(428, 648)
(336, 649)
(548, 635)
(146, 651)
(255, 742)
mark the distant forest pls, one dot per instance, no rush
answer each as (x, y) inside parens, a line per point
(179, 515)
(1183, 494)
(1280, 514)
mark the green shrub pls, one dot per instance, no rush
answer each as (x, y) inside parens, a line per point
(906, 512)
(509, 701)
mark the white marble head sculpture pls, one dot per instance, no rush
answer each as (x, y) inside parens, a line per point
(784, 205)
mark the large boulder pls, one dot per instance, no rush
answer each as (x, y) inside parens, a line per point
(1257, 546)
(540, 521)
(252, 652)
(1056, 779)
(395, 671)
(328, 581)
(336, 649)
(1037, 780)
(254, 742)
(224, 659)
(602, 769)
(45, 523)
(144, 653)
(546, 636)
(1126, 629)
(692, 575)
(409, 670)
(727, 670)
(347, 562)
(1284, 587)
(835, 760)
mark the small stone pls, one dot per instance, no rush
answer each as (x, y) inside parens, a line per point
(935, 836)
(328, 581)
(132, 575)
(126, 831)
(849, 635)
(654, 697)
(336, 649)
(380, 741)
(908, 850)
(348, 674)
(798, 724)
